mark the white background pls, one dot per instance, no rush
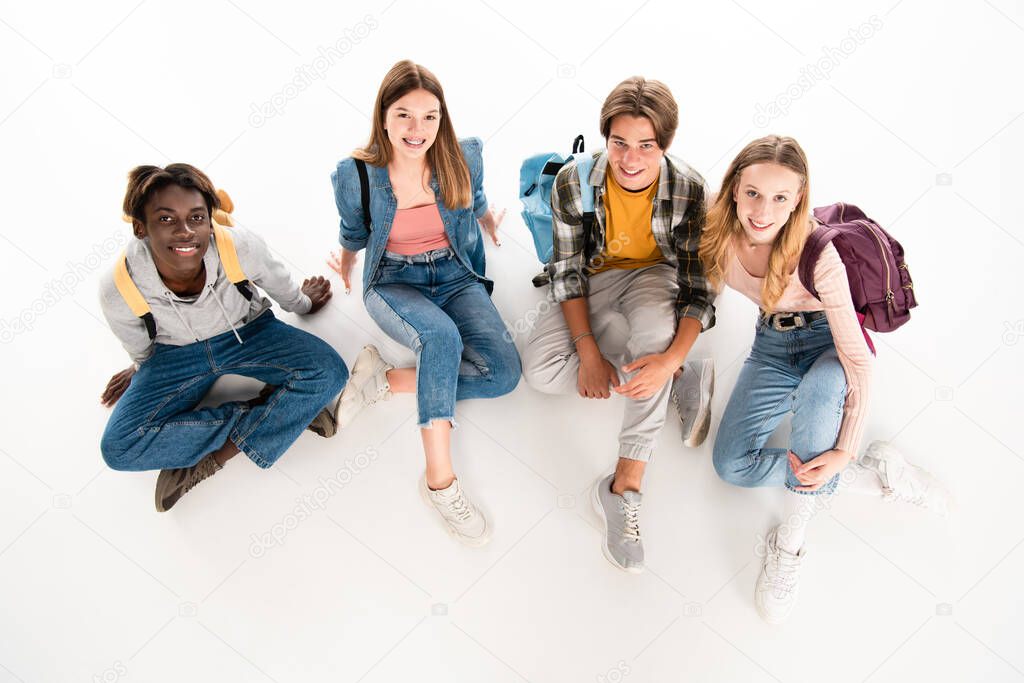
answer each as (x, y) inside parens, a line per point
(920, 124)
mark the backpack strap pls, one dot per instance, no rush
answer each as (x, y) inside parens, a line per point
(584, 165)
(364, 191)
(552, 167)
(816, 242)
(132, 296)
(137, 303)
(229, 259)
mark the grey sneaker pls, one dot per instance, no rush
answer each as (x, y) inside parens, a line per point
(367, 384)
(171, 485)
(461, 518)
(778, 584)
(621, 517)
(904, 482)
(692, 392)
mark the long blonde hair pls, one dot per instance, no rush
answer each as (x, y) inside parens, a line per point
(723, 225)
(444, 157)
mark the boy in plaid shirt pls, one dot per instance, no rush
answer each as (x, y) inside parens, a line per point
(639, 261)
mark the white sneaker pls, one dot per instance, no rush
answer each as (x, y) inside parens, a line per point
(902, 481)
(778, 584)
(692, 392)
(461, 518)
(367, 384)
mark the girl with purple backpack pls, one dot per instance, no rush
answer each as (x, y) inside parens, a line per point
(810, 357)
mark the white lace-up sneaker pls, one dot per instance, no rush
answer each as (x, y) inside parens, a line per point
(367, 384)
(461, 518)
(902, 481)
(778, 584)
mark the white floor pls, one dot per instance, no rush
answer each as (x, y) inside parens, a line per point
(327, 567)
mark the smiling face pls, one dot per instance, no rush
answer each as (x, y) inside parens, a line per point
(178, 226)
(634, 155)
(633, 152)
(412, 122)
(765, 195)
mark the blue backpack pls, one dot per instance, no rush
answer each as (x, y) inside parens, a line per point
(536, 177)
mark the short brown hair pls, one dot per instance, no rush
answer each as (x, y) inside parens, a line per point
(638, 96)
(143, 181)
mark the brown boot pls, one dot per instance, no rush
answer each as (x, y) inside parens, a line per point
(173, 484)
(264, 394)
(323, 424)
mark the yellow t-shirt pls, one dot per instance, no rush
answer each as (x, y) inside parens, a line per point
(629, 242)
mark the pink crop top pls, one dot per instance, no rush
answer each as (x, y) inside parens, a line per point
(417, 230)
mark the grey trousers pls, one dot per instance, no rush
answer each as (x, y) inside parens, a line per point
(646, 298)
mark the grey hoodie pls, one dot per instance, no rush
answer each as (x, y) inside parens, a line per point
(219, 308)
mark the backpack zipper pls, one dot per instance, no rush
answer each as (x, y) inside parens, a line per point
(909, 285)
(889, 296)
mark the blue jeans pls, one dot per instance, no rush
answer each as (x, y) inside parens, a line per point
(797, 370)
(156, 425)
(434, 305)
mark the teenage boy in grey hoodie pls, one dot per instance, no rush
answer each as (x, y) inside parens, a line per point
(206, 327)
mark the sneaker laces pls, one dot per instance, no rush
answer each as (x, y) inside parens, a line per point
(910, 492)
(631, 521)
(378, 387)
(785, 566)
(202, 470)
(459, 507)
(673, 394)
(907, 488)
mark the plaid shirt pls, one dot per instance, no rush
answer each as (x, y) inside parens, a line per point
(676, 223)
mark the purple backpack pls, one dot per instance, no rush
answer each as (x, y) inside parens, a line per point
(880, 283)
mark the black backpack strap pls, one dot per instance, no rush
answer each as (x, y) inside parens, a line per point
(813, 247)
(244, 289)
(150, 323)
(585, 164)
(364, 191)
(589, 239)
(551, 168)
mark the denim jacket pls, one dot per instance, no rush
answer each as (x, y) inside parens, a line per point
(460, 225)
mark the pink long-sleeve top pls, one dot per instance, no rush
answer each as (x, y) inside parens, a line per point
(854, 355)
